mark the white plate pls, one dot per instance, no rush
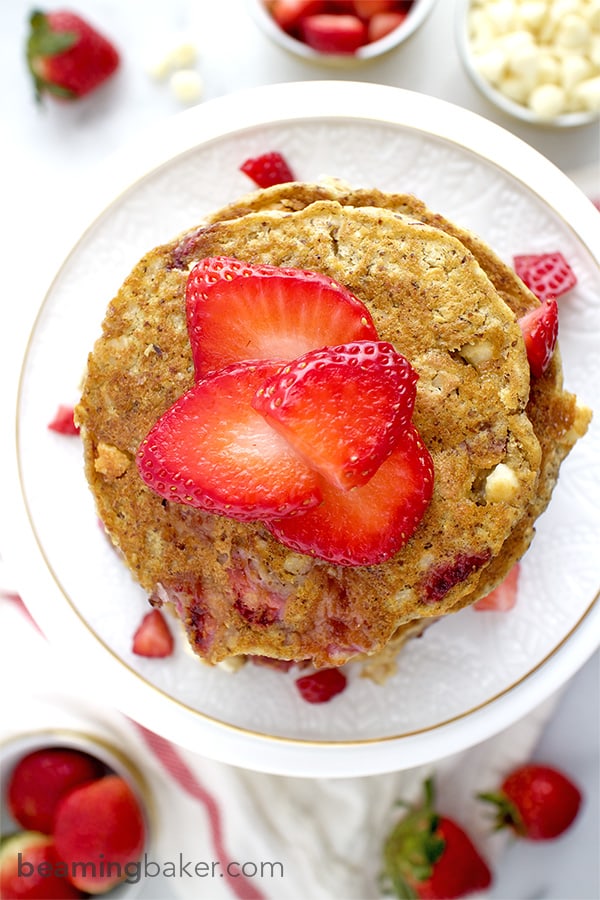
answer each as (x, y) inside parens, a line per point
(470, 675)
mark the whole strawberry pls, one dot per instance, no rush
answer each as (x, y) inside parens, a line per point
(66, 56)
(536, 802)
(431, 856)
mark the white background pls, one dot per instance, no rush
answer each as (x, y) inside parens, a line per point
(49, 154)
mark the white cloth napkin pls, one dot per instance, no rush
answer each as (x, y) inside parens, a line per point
(259, 836)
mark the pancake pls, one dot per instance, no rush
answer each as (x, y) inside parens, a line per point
(557, 418)
(448, 304)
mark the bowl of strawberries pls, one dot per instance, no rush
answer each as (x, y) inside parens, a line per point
(340, 33)
(74, 818)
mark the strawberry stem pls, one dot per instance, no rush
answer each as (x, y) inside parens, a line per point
(412, 848)
(506, 813)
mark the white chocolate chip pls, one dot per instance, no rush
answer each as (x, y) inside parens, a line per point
(588, 93)
(501, 485)
(477, 353)
(491, 64)
(186, 85)
(547, 100)
(573, 32)
(232, 664)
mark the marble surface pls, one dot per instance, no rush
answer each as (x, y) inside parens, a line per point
(48, 153)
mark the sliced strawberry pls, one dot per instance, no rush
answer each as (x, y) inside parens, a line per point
(153, 637)
(540, 333)
(63, 422)
(547, 275)
(67, 56)
(367, 525)
(342, 408)
(503, 597)
(268, 169)
(329, 33)
(237, 311)
(213, 451)
(384, 23)
(321, 686)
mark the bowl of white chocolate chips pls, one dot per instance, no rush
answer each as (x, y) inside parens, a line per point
(538, 60)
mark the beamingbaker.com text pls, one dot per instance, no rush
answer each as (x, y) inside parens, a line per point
(133, 872)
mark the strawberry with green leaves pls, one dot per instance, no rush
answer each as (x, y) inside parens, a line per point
(67, 57)
(536, 802)
(430, 856)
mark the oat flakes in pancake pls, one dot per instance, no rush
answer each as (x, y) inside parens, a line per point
(557, 418)
(236, 589)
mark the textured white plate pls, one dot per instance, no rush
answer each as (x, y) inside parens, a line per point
(470, 675)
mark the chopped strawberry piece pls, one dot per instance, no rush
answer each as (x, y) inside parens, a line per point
(504, 596)
(384, 23)
(268, 169)
(321, 686)
(329, 33)
(63, 421)
(342, 408)
(289, 13)
(443, 576)
(540, 333)
(213, 451)
(367, 525)
(237, 311)
(153, 637)
(547, 275)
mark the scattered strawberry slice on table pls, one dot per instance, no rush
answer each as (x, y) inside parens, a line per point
(29, 867)
(153, 637)
(41, 778)
(504, 596)
(99, 822)
(540, 333)
(237, 311)
(321, 686)
(547, 275)
(342, 408)
(367, 525)
(431, 856)
(213, 451)
(329, 33)
(63, 421)
(268, 169)
(535, 801)
(67, 57)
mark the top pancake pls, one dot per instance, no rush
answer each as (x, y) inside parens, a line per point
(238, 590)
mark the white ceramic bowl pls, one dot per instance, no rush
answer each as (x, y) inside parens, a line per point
(470, 675)
(13, 749)
(417, 15)
(495, 96)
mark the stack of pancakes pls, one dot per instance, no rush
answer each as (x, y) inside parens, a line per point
(496, 436)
